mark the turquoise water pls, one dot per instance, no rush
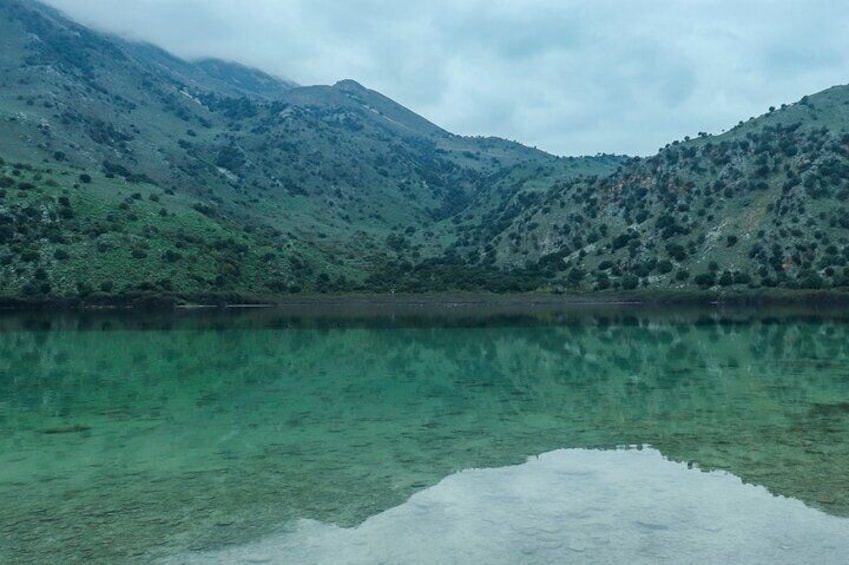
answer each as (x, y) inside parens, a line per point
(289, 437)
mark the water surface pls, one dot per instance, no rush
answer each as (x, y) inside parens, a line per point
(134, 439)
(569, 506)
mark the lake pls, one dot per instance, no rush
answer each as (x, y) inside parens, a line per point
(425, 434)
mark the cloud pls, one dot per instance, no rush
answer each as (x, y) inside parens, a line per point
(569, 76)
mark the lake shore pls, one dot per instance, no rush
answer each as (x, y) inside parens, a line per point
(169, 301)
(425, 310)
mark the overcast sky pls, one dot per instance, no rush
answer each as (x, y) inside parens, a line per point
(572, 77)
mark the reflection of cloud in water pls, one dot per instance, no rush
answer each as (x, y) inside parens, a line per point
(571, 506)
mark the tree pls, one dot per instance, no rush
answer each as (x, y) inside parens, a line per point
(575, 276)
(705, 280)
(630, 282)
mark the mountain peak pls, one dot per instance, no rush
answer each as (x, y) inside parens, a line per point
(244, 77)
(349, 85)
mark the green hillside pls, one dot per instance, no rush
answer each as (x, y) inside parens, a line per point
(68, 234)
(311, 189)
(762, 206)
(127, 170)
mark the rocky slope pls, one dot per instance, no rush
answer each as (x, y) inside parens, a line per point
(762, 206)
(126, 169)
(309, 188)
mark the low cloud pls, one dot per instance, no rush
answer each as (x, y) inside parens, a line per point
(570, 77)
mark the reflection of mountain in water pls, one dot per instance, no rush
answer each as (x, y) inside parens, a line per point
(254, 425)
(570, 506)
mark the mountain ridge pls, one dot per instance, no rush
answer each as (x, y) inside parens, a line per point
(265, 189)
(228, 77)
(192, 178)
(712, 205)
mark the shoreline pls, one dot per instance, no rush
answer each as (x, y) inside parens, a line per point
(212, 301)
(432, 310)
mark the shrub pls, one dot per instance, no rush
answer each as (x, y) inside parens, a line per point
(742, 278)
(676, 251)
(575, 276)
(705, 280)
(171, 256)
(83, 289)
(664, 267)
(630, 282)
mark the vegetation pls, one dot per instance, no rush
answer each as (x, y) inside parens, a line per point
(760, 207)
(119, 175)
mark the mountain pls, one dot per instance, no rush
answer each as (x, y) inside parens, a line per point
(225, 77)
(128, 169)
(762, 206)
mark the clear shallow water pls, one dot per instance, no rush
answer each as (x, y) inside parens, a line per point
(129, 440)
(569, 506)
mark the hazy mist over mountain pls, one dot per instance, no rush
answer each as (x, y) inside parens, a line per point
(570, 77)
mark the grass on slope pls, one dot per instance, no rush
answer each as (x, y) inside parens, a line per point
(65, 233)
